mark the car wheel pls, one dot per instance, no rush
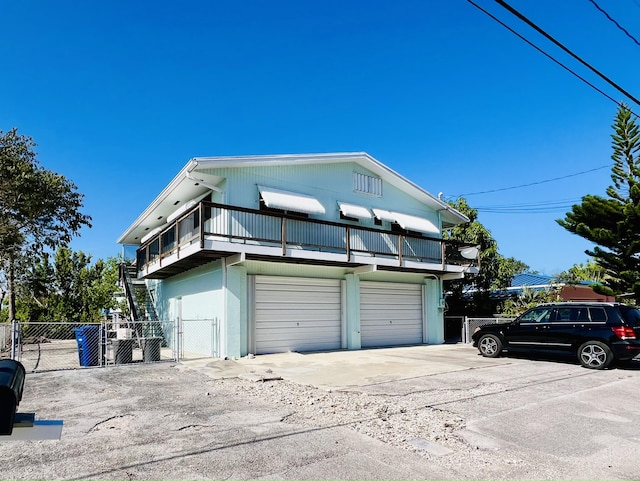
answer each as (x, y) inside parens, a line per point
(595, 355)
(490, 345)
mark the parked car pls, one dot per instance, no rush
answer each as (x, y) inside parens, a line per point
(598, 333)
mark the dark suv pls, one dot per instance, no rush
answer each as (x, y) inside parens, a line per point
(599, 333)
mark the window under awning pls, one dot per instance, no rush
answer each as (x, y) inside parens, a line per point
(284, 200)
(406, 221)
(351, 210)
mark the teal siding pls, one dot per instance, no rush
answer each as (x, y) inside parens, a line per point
(329, 183)
(200, 295)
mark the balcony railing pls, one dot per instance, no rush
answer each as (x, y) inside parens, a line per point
(231, 224)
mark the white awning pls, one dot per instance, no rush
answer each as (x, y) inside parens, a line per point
(281, 199)
(351, 210)
(411, 222)
(188, 205)
(406, 221)
(384, 215)
(150, 234)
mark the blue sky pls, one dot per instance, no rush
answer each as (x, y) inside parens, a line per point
(119, 95)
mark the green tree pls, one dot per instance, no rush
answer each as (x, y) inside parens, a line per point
(71, 289)
(579, 273)
(496, 271)
(612, 223)
(508, 268)
(39, 209)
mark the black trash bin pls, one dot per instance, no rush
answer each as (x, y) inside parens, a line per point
(151, 349)
(122, 350)
(88, 339)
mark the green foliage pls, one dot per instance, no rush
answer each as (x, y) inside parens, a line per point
(495, 270)
(508, 268)
(612, 223)
(39, 210)
(71, 289)
(529, 298)
(579, 273)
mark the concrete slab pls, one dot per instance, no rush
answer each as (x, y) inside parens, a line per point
(350, 369)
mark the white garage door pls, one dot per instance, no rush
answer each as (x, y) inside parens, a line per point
(390, 314)
(296, 314)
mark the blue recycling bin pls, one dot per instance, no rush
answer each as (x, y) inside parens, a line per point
(88, 339)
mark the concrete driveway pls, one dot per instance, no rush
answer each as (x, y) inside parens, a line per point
(350, 369)
(423, 412)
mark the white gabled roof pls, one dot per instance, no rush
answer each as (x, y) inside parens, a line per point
(192, 182)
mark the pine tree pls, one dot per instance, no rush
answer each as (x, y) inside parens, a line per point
(612, 223)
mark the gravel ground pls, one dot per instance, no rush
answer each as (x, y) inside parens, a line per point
(391, 419)
(412, 422)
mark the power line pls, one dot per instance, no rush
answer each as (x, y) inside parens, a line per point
(531, 208)
(575, 74)
(614, 22)
(513, 11)
(535, 183)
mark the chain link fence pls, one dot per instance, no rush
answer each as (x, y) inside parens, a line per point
(46, 346)
(470, 324)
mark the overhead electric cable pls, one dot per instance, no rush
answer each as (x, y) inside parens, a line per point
(513, 11)
(547, 55)
(535, 183)
(614, 22)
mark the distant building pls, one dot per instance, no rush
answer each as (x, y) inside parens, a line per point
(579, 292)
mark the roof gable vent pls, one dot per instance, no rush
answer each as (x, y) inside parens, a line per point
(367, 184)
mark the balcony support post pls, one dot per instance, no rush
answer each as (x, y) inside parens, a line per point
(201, 215)
(284, 236)
(348, 239)
(177, 229)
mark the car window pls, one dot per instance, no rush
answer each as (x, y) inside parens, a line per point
(631, 315)
(539, 314)
(571, 314)
(597, 314)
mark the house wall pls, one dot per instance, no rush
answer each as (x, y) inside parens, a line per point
(329, 183)
(196, 297)
(583, 293)
(214, 301)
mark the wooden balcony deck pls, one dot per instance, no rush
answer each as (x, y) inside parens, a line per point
(212, 231)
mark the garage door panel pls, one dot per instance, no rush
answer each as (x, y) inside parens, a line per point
(299, 325)
(390, 314)
(297, 314)
(297, 306)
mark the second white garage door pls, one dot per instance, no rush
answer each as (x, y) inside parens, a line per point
(297, 314)
(390, 314)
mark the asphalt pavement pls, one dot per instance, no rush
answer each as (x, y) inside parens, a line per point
(519, 419)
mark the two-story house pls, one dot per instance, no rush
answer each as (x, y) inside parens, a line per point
(297, 253)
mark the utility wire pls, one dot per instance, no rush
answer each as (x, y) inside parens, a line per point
(543, 208)
(534, 183)
(548, 55)
(513, 11)
(614, 22)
